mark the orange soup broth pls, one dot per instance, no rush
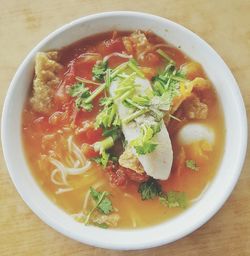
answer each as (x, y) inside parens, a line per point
(133, 211)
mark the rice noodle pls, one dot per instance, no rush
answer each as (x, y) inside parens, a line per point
(63, 190)
(63, 170)
(201, 194)
(117, 54)
(63, 178)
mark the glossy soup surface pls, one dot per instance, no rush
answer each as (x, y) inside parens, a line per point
(46, 134)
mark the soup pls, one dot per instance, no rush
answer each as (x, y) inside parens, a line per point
(122, 130)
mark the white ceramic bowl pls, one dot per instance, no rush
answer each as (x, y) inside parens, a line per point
(169, 231)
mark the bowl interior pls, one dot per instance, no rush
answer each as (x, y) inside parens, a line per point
(200, 212)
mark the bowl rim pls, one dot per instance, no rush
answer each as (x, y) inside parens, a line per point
(92, 241)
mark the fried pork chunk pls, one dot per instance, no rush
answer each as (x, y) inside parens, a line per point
(46, 78)
(129, 160)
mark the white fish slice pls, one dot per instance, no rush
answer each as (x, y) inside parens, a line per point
(158, 163)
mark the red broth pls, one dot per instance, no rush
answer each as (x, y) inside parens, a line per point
(46, 134)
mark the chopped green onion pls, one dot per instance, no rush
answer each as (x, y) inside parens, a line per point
(134, 115)
(164, 55)
(103, 145)
(95, 93)
(133, 65)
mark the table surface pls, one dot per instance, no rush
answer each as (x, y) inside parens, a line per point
(224, 24)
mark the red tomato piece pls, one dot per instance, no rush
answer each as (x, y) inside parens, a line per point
(93, 135)
(134, 176)
(89, 151)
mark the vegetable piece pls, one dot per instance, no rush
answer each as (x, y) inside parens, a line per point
(149, 189)
(134, 66)
(108, 117)
(144, 144)
(102, 160)
(96, 92)
(102, 146)
(168, 82)
(103, 203)
(126, 87)
(191, 164)
(101, 225)
(134, 116)
(83, 95)
(99, 70)
(164, 55)
(145, 148)
(115, 132)
(118, 70)
(173, 199)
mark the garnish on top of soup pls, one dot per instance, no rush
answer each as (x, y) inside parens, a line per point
(122, 129)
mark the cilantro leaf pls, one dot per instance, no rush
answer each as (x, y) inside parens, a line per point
(191, 164)
(103, 203)
(108, 117)
(149, 189)
(76, 89)
(99, 70)
(115, 132)
(102, 159)
(146, 148)
(168, 82)
(144, 144)
(81, 93)
(173, 199)
(81, 103)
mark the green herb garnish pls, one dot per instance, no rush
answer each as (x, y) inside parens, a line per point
(102, 203)
(174, 199)
(149, 189)
(144, 143)
(191, 164)
(102, 147)
(99, 70)
(81, 93)
(115, 132)
(108, 117)
(164, 55)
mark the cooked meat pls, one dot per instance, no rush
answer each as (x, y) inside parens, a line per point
(129, 160)
(194, 108)
(46, 77)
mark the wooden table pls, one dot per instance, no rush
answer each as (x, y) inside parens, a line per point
(225, 24)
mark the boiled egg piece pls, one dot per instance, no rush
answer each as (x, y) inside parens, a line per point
(195, 132)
